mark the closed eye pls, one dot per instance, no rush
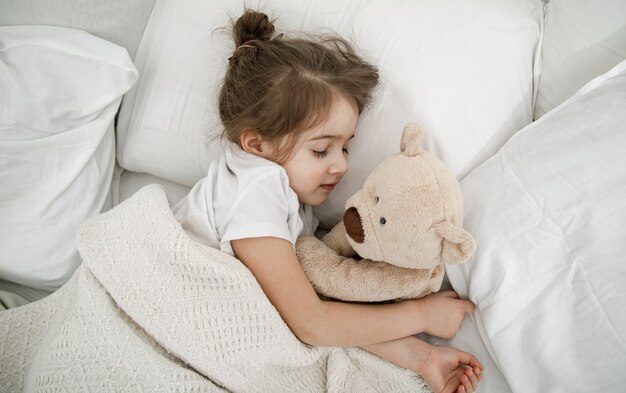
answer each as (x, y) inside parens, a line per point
(320, 154)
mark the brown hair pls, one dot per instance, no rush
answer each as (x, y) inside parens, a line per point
(281, 87)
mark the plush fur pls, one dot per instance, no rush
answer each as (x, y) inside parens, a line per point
(406, 224)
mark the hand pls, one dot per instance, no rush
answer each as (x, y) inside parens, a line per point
(443, 312)
(448, 370)
(445, 369)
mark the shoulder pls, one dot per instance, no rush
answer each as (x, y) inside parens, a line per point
(253, 173)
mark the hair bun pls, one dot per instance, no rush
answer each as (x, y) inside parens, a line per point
(252, 25)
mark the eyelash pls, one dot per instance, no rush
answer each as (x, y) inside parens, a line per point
(322, 154)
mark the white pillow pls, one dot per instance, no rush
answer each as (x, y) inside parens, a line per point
(131, 182)
(463, 70)
(548, 212)
(582, 39)
(60, 89)
(119, 21)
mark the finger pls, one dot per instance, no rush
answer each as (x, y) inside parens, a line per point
(454, 381)
(479, 372)
(469, 305)
(472, 378)
(470, 360)
(466, 384)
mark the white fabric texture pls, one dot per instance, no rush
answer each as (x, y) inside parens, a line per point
(243, 196)
(150, 310)
(469, 340)
(582, 40)
(129, 182)
(119, 21)
(548, 213)
(463, 70)
(60, 91)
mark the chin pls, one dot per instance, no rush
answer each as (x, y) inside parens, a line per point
(314, 200)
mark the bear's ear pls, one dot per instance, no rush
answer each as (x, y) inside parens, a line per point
(458, 245)
(411, 142)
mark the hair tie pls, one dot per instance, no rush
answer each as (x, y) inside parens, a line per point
(245, 45)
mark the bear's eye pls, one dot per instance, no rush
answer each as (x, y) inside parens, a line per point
(376, 199)
(383, 221)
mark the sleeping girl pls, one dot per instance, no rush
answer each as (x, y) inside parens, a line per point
(289, 108)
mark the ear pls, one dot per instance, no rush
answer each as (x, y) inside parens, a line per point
(458, 245)
(252, 142)
(411, 142)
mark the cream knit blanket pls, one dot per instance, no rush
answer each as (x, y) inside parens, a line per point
(149, 310)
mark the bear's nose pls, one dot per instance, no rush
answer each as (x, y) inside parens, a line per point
(352, 222)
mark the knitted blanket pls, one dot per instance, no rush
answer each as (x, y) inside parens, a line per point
(149, 310)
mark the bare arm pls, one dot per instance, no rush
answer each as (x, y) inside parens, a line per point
(445, 369)
(326, 323)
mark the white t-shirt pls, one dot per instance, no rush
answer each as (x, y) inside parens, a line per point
(243, 196)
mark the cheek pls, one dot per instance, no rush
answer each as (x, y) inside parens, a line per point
(316, 173)
(302, 174)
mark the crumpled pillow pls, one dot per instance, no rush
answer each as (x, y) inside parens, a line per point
(60, 89)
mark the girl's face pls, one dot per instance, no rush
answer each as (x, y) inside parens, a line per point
(319, 160)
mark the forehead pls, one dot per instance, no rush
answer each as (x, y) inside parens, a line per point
(339, 125)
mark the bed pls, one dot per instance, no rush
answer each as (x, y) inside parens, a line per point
(107, 112)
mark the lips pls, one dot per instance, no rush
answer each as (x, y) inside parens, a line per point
(328, 187)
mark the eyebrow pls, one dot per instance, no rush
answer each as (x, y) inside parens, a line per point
(328, 136)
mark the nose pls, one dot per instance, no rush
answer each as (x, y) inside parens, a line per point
(339, 166)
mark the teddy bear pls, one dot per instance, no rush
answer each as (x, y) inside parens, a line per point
(397, 233)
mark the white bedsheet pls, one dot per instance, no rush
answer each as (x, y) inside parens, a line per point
(548, 212)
